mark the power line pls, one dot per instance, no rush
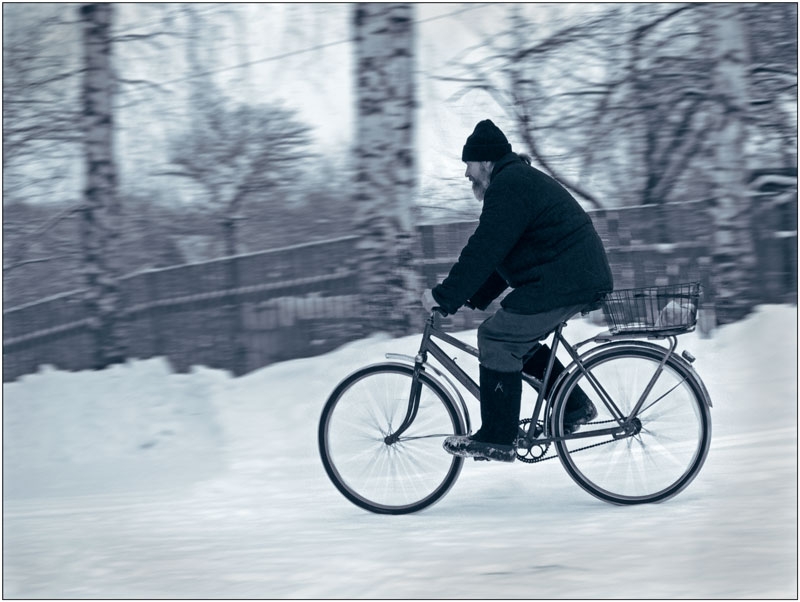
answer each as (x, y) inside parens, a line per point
(276, 57)
(286, 55)
(454, 13)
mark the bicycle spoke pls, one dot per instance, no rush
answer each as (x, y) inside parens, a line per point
(662, 396)
(661, 451)
(433, 436)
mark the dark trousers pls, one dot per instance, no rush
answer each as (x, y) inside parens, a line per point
(507, 339)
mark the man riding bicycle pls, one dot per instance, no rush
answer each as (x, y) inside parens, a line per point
(534, 237)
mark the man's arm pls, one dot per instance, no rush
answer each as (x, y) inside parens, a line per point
(488, 292)
(502, 222)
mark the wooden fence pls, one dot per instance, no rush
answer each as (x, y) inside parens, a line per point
(241, 313)
(238, 313)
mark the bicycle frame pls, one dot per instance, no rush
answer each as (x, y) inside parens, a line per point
(432, 331)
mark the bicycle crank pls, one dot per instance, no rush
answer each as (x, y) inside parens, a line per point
(528, 451)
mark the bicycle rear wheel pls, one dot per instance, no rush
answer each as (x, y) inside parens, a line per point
(389, 478)
(672, 430)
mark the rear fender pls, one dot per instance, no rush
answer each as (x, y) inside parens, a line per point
(636, 344)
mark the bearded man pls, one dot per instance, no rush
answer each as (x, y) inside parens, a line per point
(534, 237)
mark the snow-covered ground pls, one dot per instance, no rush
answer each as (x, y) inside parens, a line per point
(135, 482)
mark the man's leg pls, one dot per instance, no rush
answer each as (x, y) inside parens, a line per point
(580, 408)
(504, 340)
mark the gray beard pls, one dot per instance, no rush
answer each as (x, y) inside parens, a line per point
(479, 190)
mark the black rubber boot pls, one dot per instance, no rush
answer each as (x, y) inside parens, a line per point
(501, 393)
(580, 408)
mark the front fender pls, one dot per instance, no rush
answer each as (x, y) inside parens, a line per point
(444, 381)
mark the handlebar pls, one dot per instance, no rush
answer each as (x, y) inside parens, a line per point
(437, 313)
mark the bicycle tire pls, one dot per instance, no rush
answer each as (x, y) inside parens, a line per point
(674, 437)
(400, 478)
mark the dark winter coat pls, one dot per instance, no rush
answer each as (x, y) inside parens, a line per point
(533, 236)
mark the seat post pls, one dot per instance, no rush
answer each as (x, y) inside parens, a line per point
(552, 359)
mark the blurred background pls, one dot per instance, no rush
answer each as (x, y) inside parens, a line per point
(232, 184)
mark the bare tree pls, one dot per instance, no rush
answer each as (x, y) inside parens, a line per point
(527, 71)
(240, 157)
(627, 92)
(40, 85)
(45, 142)
(697, 114)
(734, 248)
(100, 211)
(772, 37)
(385, 177)
(241, 153)
(41, 134)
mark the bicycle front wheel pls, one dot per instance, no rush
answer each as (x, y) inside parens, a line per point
(389, 478)
(670, 434)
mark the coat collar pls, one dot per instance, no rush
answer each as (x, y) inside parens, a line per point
(502, 163)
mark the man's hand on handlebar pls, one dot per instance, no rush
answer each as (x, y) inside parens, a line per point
(429, 303)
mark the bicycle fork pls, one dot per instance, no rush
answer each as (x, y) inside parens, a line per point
(413, 404)
(416, 386)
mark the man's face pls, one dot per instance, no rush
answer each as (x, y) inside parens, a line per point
(478, 173)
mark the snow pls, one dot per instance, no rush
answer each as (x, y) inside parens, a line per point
(135, 482)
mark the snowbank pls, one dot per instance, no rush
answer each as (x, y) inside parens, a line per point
(131, 425)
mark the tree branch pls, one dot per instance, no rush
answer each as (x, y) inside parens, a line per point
(9, 268)
(643, 30)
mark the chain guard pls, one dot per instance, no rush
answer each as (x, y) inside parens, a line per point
(538, 451)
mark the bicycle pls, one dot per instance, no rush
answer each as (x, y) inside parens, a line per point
(382, 427)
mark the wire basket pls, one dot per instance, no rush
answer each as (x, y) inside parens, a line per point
(656, 309)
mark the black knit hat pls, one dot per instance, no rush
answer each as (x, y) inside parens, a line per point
(487, 143)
